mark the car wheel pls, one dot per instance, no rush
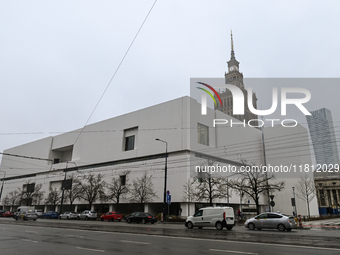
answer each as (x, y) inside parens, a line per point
(112, 219)
(190, 225)
(128, 220)
(143, 221)
(219, 225)
(86, 218)
(16, 218)
(34, 219)
(78, 218)
(251, 226)
(119, 220)
(67, 218)
(152, 222)
(230, 227)
(95, 219)
(200, 227)
(281, 227)
(102, 219)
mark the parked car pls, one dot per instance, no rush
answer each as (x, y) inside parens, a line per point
(218, 217)
(87, 215)
(26, 215)
(68, 215)
(21, 209)
(111, 216)
(39, 212)
(271, 220)
(8, 214)
(1, 212)
(142, 217)
(50, 215)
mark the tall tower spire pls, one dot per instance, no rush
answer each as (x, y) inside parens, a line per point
(232, 46)
(232, 43)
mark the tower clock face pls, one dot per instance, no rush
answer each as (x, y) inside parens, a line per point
(233, 68)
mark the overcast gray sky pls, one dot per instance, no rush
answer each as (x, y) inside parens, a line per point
(57, 57)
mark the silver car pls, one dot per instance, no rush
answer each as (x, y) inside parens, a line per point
(87, 215)
(27, 215)
(68, 215)
(38, 212)
(271, 220)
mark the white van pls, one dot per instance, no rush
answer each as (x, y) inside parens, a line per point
(218, 217)
(23, 209)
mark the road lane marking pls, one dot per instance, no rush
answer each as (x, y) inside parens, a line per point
(127, 241)
(31, 232)
(27, 240)
(238, 252)
(81, 248)
(75, 236)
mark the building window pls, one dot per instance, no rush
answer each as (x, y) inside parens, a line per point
(122, 180)
(130, 138)
(202, 134)
(129, 143)
(322, 198)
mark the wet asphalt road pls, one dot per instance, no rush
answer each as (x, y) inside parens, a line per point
(25, 239)
(318, 237)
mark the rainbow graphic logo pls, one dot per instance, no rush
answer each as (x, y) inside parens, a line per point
(204, 98)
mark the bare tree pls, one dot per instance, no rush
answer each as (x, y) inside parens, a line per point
(53, 197)
(74, 192)
(118, 188)
(254, 183)
(209, 187)
(31, 194)
(142, 190)
(91, 188)
(12, 198)
(189, 192)
(306, 189)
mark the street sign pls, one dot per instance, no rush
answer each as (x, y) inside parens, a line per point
(168, 199)
(293, 201)
(272, 203)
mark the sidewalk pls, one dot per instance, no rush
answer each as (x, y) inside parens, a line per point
(326, 223)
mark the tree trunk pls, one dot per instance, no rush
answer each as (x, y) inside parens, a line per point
(308, 207)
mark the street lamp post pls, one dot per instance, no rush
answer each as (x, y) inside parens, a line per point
(165, 176)
(3, 181)
(295, 209)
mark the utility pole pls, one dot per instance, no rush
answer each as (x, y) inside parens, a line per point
(265, 163)
(3, 181)
(165, 177)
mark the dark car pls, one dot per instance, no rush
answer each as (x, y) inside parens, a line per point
(111, 216)
(142, 217)
(50, 215)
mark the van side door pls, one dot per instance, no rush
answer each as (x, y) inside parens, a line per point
(198, 218)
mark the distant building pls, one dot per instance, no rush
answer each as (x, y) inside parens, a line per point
(321, 129)
(327, 185)
(235, 77)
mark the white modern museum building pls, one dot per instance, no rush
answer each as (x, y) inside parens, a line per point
(128, 143)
